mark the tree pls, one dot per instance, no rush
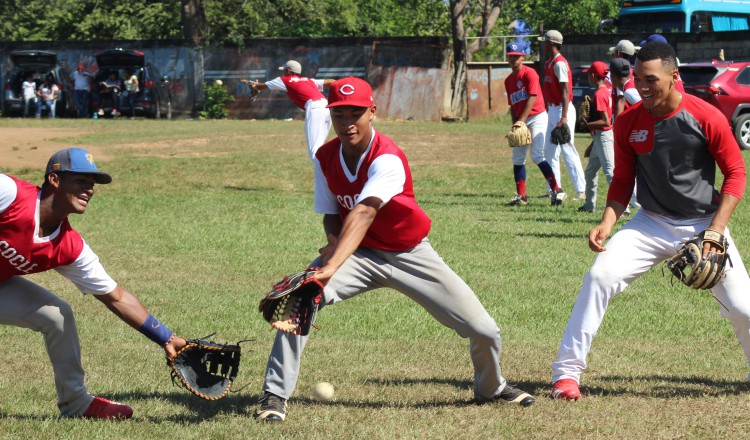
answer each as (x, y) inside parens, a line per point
(468, 19)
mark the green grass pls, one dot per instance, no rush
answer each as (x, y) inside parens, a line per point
(203, 216)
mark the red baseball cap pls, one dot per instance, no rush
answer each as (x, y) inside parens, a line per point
(80, 67)
(598, 68)
(350, 91)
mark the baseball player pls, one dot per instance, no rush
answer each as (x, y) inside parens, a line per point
(672, 142)
(659, 38)
(305, 93)
(602, 155)
(377, 236)
(557, 87)
(35, 236)
(527, 105)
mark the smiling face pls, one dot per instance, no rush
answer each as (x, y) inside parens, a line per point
(655, 82)
(353, 125)
(73, 192)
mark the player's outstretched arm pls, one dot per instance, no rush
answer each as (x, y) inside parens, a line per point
(130, 309)
(353, 231)
(255, 85)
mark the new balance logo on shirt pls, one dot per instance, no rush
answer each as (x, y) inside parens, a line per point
(638, 136)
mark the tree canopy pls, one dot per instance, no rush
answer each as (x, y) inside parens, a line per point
(232, 21)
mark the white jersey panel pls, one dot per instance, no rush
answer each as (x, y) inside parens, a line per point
(385, 179)
(88, 274)
(8, 192)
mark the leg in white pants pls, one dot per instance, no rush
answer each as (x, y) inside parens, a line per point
(569, 153)
(26, 304)
(646, 240)
(421, 275)
(317, 125)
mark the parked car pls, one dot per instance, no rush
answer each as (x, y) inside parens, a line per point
(154, 97)
(581, 88)
(726, 85)
(38, 63)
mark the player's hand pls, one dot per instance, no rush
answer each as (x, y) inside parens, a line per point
(324, 273)
(517, 123)
(597, 235)
(563, 121)
(327, 250)
(174, 346)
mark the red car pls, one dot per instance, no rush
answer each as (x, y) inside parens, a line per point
(726, 85)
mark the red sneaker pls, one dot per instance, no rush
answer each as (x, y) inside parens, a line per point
(104, 409)
(566, 389)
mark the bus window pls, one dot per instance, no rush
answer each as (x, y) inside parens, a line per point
(652, 23)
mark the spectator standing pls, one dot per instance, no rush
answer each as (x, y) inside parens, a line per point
(82, 80)
(28, 90)
(132, 87)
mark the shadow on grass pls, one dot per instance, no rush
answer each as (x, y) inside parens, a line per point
(666, 387)
(550, 235)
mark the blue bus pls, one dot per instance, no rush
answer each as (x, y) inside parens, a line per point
(677, 16)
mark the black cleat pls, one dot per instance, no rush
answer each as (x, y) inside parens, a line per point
(272, 408)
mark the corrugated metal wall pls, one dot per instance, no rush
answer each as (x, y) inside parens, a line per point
(409, 75)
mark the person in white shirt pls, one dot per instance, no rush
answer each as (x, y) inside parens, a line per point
(48, 92)
(28, 88)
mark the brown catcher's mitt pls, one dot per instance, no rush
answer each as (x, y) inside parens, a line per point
(519, 135)
(584, 110)
(293, 303)
(689, 266)
(253, 91)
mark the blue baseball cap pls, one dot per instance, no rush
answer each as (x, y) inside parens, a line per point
(76, 160)
(654, 38)
(514, 48)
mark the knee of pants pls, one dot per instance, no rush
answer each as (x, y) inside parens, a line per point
(600, 275)
(55, 317)
(484, 330)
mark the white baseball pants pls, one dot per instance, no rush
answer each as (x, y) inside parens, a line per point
(569, 153)
(317, 125)
(643, 242)
(538, 126)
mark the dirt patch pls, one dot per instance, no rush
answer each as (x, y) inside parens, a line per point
(32, 147)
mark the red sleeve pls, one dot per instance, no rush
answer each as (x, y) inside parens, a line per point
(623, 176)
(723, 147)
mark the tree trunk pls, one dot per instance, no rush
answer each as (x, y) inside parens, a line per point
(194, 23)
(463, 51)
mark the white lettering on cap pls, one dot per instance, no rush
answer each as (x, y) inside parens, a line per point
(347, 89)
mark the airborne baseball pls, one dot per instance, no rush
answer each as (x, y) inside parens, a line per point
(323, 392)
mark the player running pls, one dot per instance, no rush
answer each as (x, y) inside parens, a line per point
(378, 238)
(35, 236)
(305, 93)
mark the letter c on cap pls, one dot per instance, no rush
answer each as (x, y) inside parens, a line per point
(347, 89)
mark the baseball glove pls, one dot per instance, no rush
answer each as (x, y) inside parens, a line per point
(689, 266)
(584, 110)
(560, 135)
(519, 135)
(205, 368)
(293, 303)
(253, 91)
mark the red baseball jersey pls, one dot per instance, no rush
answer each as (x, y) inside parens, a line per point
(301, 89)
(602, 103)
(400, 224)
(674, 158)
(22, 251)
(520, 87)
(551, 84)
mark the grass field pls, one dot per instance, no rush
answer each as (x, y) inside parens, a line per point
(203, 216)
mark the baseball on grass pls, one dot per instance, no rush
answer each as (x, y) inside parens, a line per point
(323, 391)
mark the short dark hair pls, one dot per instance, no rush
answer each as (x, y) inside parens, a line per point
(658, 51)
